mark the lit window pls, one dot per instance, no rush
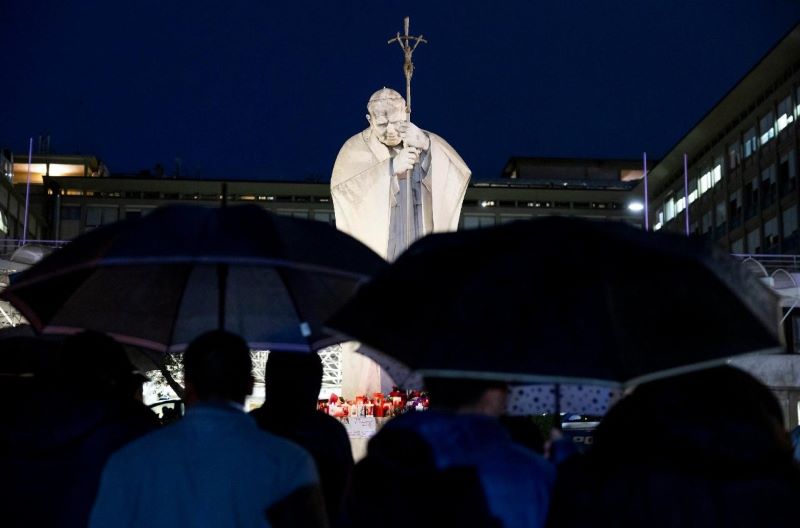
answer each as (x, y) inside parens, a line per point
(767, 127)
(797, 103)
(669, 209)
(716, 172)
(680, 205)
(785, 113)
(693, 194)
(769, 174)
(705, 182)
(658, 226)
(734, 154)
(750, 144)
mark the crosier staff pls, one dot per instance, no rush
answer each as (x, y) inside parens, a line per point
(408, 69)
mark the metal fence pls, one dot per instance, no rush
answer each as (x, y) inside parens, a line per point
(772, 263)
(9, 245)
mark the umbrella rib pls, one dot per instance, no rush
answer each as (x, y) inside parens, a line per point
(292, 301)
(171, 334)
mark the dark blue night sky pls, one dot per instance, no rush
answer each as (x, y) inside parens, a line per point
(262, 90)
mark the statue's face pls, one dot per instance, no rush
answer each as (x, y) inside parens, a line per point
(387, 124)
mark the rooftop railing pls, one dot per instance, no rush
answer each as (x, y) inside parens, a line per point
(9, 245)
(772, 262)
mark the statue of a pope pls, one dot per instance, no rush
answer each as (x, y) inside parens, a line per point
(368, 183)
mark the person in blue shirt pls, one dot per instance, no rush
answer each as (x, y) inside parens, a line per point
(214, 467)
(464, 465)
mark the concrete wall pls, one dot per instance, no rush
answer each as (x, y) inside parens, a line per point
(781, 373)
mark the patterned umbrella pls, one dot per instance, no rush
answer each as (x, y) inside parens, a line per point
(160, 280)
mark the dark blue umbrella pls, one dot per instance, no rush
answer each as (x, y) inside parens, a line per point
(160, 280)
(560, 300)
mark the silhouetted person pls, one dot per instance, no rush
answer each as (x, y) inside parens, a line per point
(214, 467)
(469, 470)
(794, 436)
(65, 430)
(169, 415)
(706, 449)
(292, 382)
(559, 448)
(524, 431)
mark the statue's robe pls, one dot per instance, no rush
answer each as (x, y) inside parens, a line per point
(364, 192)
(363, 189)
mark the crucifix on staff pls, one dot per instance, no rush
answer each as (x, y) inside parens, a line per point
(408, 68)
(408, 65)
(394, 182)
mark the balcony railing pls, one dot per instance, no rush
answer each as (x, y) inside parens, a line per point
(9, 245)
(773, 262)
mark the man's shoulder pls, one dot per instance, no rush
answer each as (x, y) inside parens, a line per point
(149, 445)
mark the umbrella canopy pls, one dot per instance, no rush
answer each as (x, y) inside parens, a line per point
(160, 280)
(560, 300)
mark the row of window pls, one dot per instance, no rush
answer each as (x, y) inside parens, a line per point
(769, 127)
(757, 240)
(696, 187)
(12, 211)
(787, 111)
(537, 204)
(758, 194)
(766, 240)
(156, 195)
(97, 215)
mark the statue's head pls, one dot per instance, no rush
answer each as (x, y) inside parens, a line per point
(387, 115)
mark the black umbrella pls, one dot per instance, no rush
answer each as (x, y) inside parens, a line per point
(560, 300)
(160, 280)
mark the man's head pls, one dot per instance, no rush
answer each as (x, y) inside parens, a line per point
(468, 395)
(387, 116)
(292, 381)
(96, 364)
(217, 366)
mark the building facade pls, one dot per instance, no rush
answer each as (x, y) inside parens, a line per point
(732, 179)
(76, 199)
(740, 189)
(12, 205)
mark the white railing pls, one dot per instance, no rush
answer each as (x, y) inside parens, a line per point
(9, 245)
(772, 263)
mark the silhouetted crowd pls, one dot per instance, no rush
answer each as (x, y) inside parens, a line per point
(79, 448)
